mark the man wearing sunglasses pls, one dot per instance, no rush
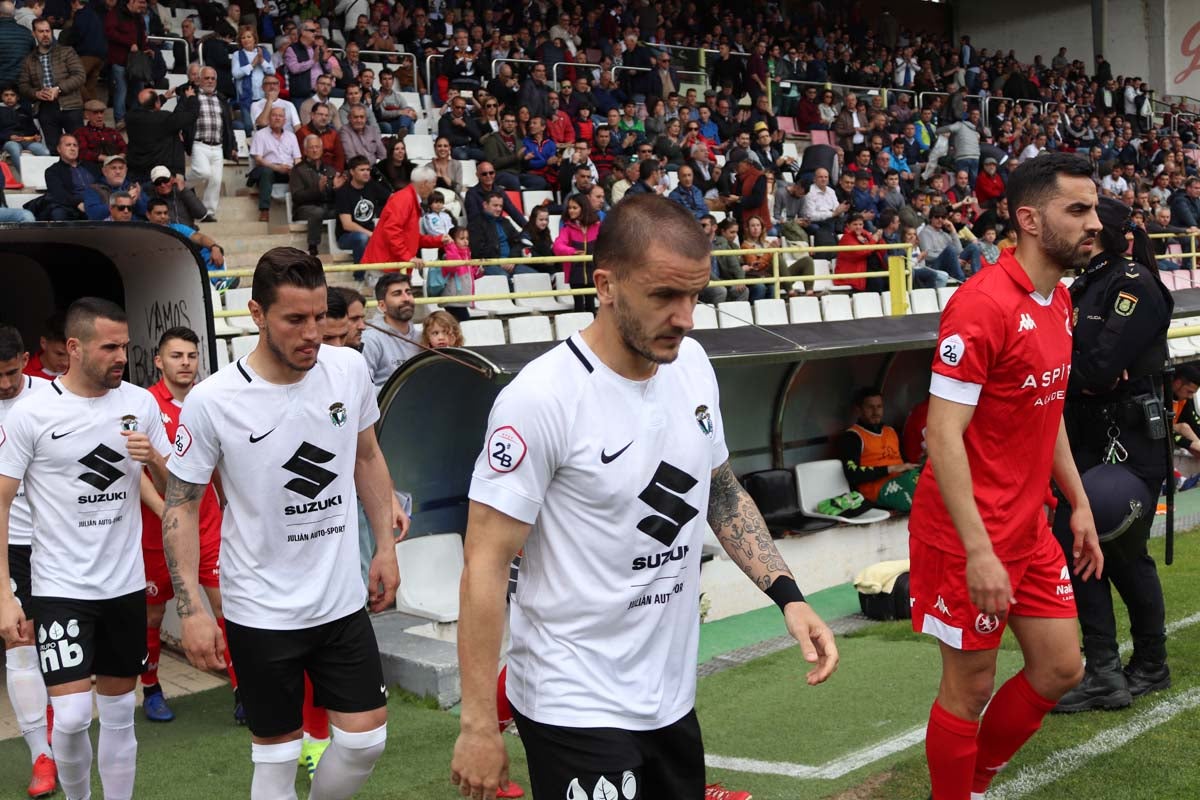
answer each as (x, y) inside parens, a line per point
(120, 207)
(183, 206)
(302, 64)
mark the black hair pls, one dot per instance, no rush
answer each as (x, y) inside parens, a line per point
(385, 282)
(351, 296)
(356, 161)
(863, 393)
(336, 306)
(83, 313)
(178, 332)
(285, 266)
(11, 345)
(1035, 180)
(154, 203)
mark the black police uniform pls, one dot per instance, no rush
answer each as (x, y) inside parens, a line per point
(1122, 312)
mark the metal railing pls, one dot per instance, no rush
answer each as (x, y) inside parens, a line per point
(496, 62)
(398, 54)
(554, 68)
(187, 47)
(1194, 273)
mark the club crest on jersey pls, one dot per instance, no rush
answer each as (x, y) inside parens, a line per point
(337, 415)
(704, 420)
(129, 423)
(1125, 304)
(987, 623)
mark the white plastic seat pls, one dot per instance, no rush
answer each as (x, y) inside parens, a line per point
(222, 353)
(468, 173)
(555, 225)
(243, 345)
(944, 294)
(735, 314)
(719, 216)
(242, 146)
(564, 300)
(535, 197)
(33, 170)
(335, 250)
(566, 324)
(420, 147)
(804, 309)
(482, 332)
(704, 317)
(923, 301)
(495, 284)
(414, 101)
(770, 312)
(529, 329)
(430, 570)
(823, 266)
(221, 326)
(239, 300)
(821, 480)
(535, 282)
(835, 307)
(866, 305)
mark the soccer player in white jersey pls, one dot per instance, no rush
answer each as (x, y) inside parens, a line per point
(79, 446)
(289, 429)
(603, 459)
(26, 689)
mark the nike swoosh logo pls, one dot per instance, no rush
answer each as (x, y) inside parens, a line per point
(255, 439)
(605, 458)
(60, 435)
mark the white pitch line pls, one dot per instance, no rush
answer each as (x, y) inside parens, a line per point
(1030, 779)
(1172, 627)
(828, 771)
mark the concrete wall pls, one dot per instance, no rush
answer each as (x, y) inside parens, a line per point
(1029, 27)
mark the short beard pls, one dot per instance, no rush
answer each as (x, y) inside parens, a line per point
(101, 378)
(1064, 254)
(282, 357)
(400, 313)
(634, 337)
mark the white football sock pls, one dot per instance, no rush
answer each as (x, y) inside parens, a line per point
(117, 759)
(274, 770)
(27, 693)
(72, 747)
(347, 763)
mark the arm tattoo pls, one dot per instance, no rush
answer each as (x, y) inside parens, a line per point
(181, 498)
(742, 531)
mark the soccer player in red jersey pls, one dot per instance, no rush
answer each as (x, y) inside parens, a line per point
(177, 358)
(981, 550)
(50, 360)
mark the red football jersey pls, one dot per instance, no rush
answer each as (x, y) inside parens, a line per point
(35, 368)
(210, 509)
(1007, 351)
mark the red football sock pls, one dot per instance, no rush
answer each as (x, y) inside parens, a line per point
(228, 655)
(153, 650)
(503, 709)
(316, 719)
(1014, 715)
(950, 749)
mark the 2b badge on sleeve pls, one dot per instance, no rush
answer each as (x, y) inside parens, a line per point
(506, 449)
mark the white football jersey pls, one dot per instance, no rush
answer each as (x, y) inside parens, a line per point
(20, 520)
(286, 454)
(614, 476)
(83, 488)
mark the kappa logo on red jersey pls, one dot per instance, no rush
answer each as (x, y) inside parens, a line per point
(506, 449)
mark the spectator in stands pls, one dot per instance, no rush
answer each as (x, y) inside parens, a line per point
(113, 178)
(989, 185)
(13, 214)
(598, 200)
(154, 134)
(393, 112)
(386, 350)
(216, 51)
(397, 234)
(649, 179)
(312, 184)
(16, 42)
(559, 126)
(850, 262)
(275, 152)
(758, 265)
(251, 64)
(360, 139)
(823, 210)
(319, 125)
(750, 188)
(462, 131)
(354, 97)
(535, 92)
(51, 78)
(183, 207)
(473, 202)
(728, 70)
(449, 171)
(323, 93)
(506, 153)
(84, 33)
(351, 65)
(942, 247)
(303, 63)
(120, 207)
(729, 267)
(261, 109)
(158, 212)
(211, 140)
(125, 29)
(871, 458)
(494, 236)
(17, 130)
(1185, 204)
(965, 139)
(541, 153)
(395, 172)
(357, 203)
(851, 124)
(536, 239)
(688, 194)
(66, 181)
(604, 152)
(577, 236)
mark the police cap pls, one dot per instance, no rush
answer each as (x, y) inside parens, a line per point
(1118, 499)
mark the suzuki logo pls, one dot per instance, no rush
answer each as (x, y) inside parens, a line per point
(663, 495)
(312, 479)
(100, 461)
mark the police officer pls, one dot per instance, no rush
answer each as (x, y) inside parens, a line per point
(1114, 415)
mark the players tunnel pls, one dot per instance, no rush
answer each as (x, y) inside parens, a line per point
(151, 271)
(785, 391)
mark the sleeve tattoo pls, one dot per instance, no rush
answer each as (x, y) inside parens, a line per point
(182, 552)
(743, 533)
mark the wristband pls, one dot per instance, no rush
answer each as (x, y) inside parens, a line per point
(783, 590)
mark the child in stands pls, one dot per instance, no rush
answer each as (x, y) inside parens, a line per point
(441, 329)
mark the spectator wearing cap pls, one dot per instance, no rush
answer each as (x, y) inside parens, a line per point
(989, 185)
(155, 135)
(183, 207)
(750, 187)
(210, 140)
(114, 177)
(51, 78)
(97, 140)
(16, 42)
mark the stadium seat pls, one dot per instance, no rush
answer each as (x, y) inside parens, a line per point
(535, 282)
(1066, 281)
(719, 216)
(529, 329)
(243, 345)
(836, 307)
(430, 569)
(944, 294)
(790, 149)
(822, 480)
(241, 145)
(516, 199)
(495, 284)
(885, 303)
(414, 101)
(334, 249)
(923, 301)
(823, 266)
(482, 332)
(821, 137)
(804, 309)
(735, 314)
(468, 173)
(239, 300)
(33, 170)
(566, 324)
(555, 225)
(559, 281)
(531, 198)
(222, 348)
(221, 326)
(787, 125)
(420, 148)
(704, 317)
(770, 312)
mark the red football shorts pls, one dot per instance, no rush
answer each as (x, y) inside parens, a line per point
(941, 605)
(158, 577)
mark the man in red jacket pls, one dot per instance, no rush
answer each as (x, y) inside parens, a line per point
(397, 235)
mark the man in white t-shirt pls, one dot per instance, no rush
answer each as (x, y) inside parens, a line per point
(26, 689)
(79, 447)
(603, 459)
(290, 429)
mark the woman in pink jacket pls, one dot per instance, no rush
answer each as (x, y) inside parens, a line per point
(577, 236)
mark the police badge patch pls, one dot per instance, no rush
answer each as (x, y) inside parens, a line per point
(704, 420)
(337, 415)
(1125, 304)
(129, 423)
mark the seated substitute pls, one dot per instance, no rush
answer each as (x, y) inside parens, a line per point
(870, 456)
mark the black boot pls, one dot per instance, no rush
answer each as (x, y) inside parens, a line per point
(1147, 670)
(1103, 686)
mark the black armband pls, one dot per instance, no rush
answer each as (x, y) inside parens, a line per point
(783, 590)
